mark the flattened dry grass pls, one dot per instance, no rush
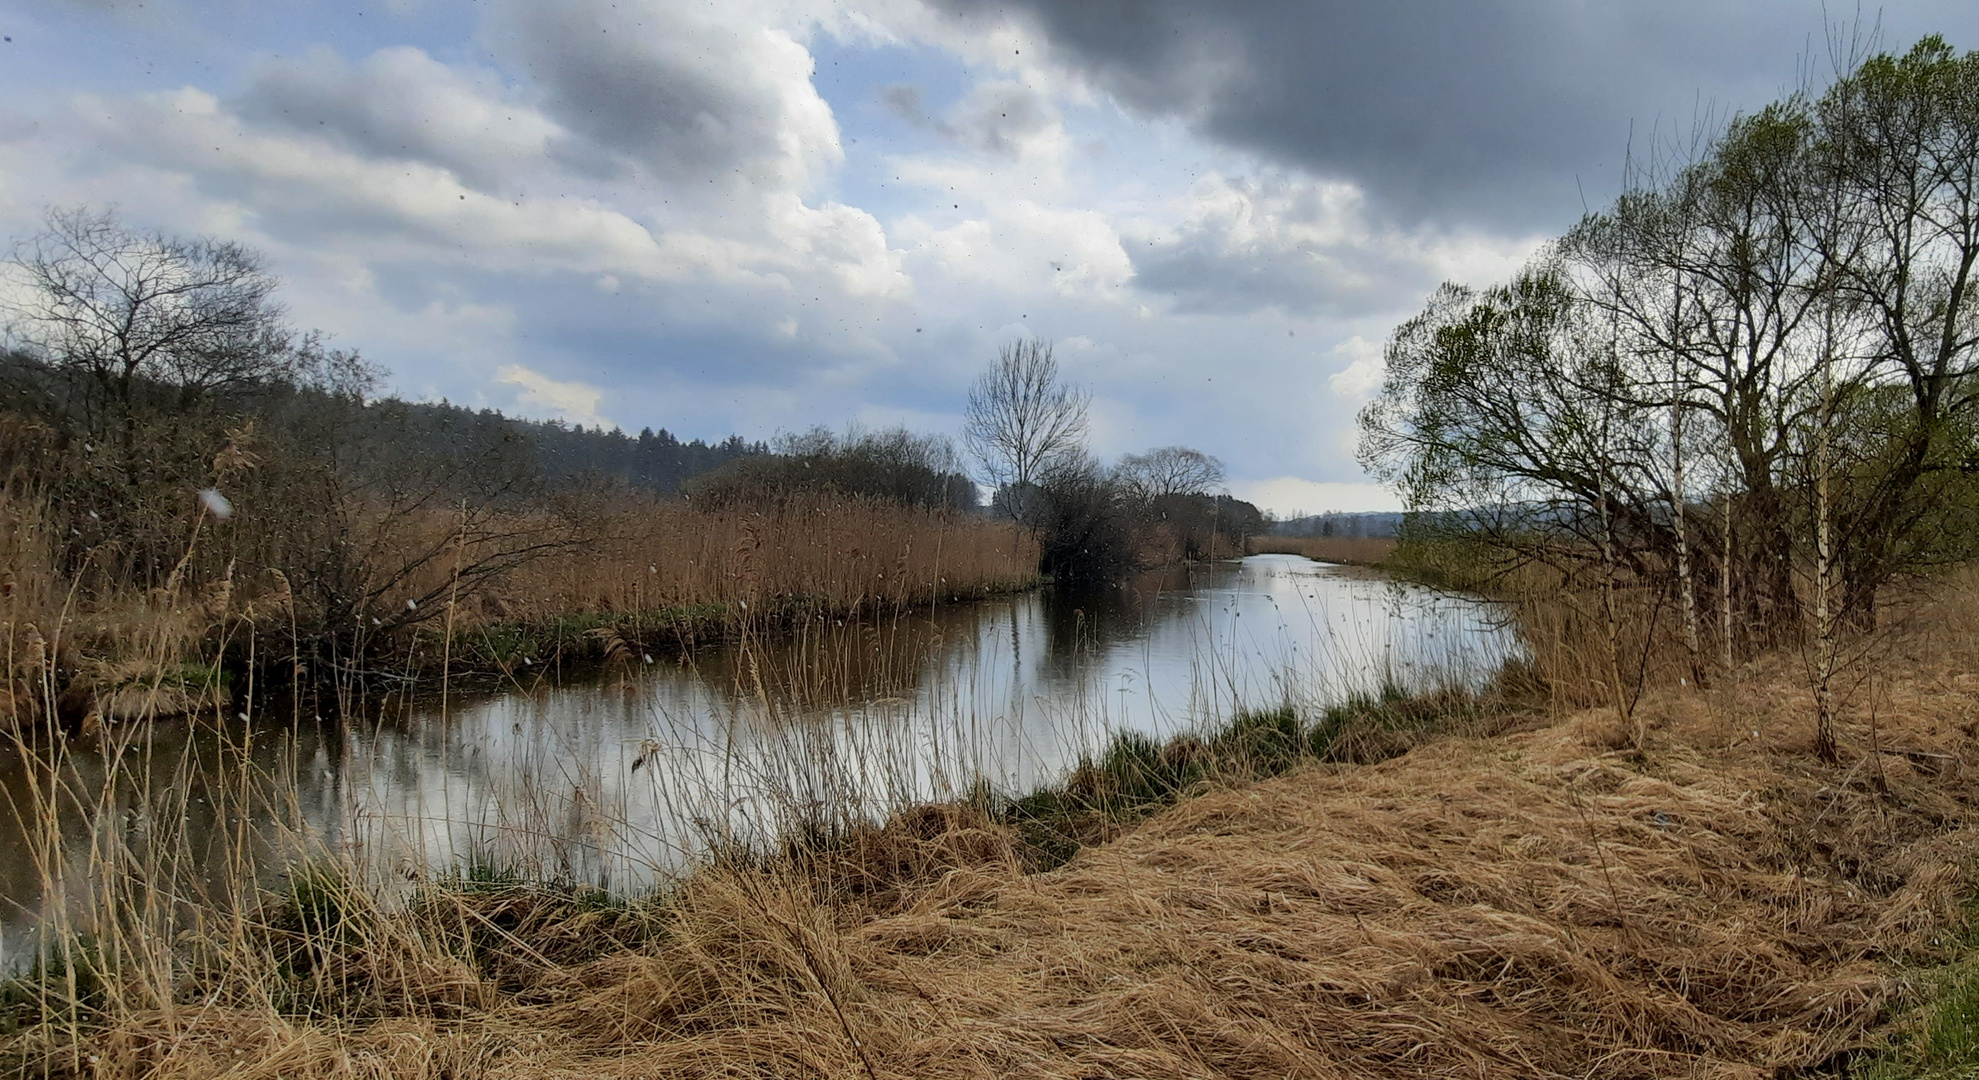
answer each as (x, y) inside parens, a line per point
(1531, 903)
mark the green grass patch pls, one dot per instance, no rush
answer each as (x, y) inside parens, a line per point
(590, 636)
(65, 982)
(1136, 775)
(1939, 1039)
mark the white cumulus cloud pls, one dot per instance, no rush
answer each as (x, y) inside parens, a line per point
(1364, 371)
(572, 402)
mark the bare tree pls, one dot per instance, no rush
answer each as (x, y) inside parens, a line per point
(145, 350)
(1022, 421)
(131, 311)
(1896, 203)
(1169, 470)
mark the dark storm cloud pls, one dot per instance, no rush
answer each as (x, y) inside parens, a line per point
(1203, 277)
(1459, 110)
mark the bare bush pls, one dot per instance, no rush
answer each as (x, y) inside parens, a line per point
(1168, 470)
(893, 465)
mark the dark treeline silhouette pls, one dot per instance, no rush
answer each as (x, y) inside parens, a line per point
(1373, 524)
(1094, 530)
(653, 461)
(120, 474)
(894, 465)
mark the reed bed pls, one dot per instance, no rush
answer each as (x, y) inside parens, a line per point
(1588, 641)
(29, 599)
(1345, 550)
(116, 655)
(603, 577)
(1583, 646)
(846, 555)
(662, 574)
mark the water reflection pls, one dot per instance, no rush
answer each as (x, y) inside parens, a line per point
(620, 779)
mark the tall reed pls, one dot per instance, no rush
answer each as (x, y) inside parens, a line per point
(845, 554)
(1347, 550)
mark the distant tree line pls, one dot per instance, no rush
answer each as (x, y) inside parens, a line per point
(152, 386)
(894, 465)
(653, 461)
(1377, 524)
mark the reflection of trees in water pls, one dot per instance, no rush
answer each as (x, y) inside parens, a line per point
(617, 779)
(1079, 626)
(828, 662)
(1077, 623)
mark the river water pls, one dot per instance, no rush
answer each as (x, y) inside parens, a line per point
(624, 777)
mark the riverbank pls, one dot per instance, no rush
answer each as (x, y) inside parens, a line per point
(639, 577)
(1483, 891)
(1589, 639)
(1344, 550)
(328, 950)
(502, 650)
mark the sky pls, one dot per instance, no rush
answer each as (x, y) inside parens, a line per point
(754, 216)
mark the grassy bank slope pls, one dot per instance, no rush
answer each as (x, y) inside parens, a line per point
(1532, 903)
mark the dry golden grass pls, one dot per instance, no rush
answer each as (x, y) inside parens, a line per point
(123, 652)
(847, 555)
(1582, 642)
(1572, 660)
(1348, 550)
(109, 654)
(126, 649)
(1536, 903)
(29, 601)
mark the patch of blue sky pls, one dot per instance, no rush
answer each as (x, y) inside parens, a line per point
(124, 48)
(854, 78)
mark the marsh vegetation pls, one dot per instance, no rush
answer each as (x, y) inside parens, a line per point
(352, 736)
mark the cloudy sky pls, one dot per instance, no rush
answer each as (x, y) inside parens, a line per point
(749, 216)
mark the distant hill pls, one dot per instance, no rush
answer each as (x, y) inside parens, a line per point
(651, 460)
(1379, 524)
(389, 431)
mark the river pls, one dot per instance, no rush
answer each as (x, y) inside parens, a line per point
(623, 777)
